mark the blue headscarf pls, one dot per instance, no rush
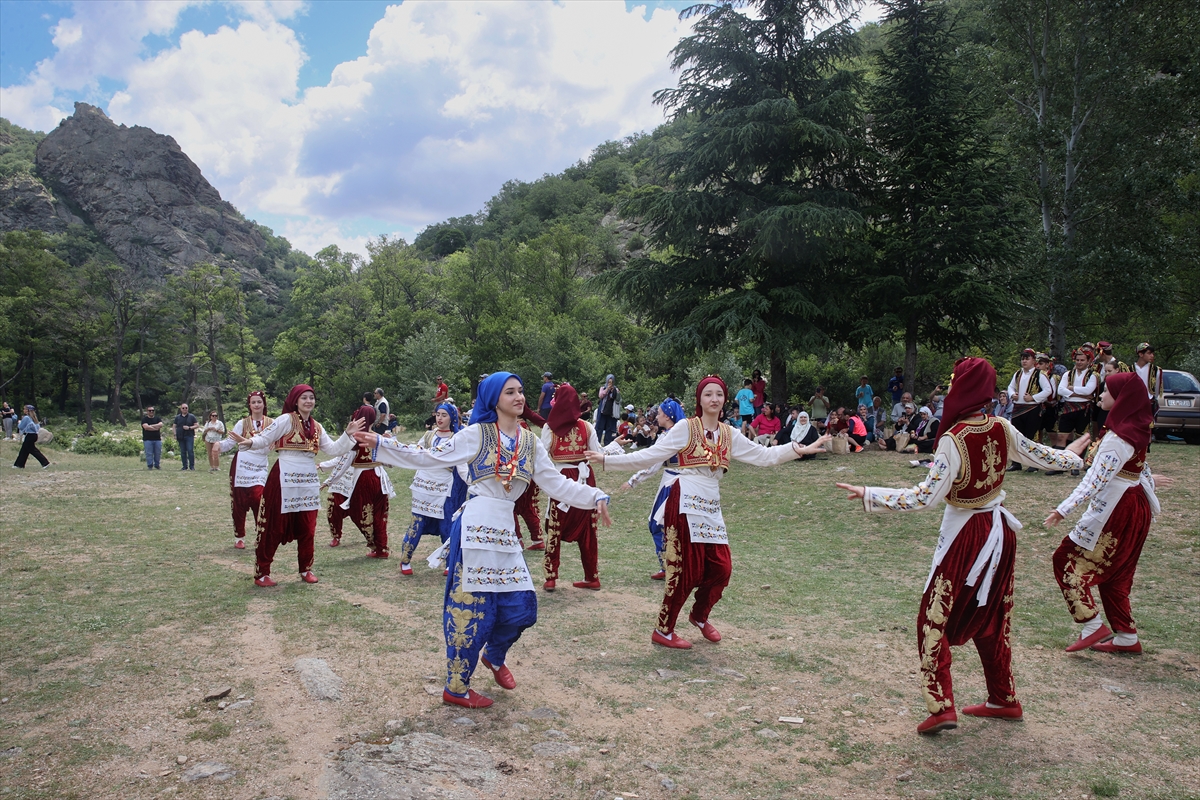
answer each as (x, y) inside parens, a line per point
(673, 410)
(453, 412)
(489, 394)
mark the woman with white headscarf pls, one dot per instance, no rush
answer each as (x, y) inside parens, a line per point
(804, 432)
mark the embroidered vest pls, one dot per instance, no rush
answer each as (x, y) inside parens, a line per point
(569, 449)
(701, 453)
(296, 440)
(1131, 470)
(248, 428)
(983, 448)
(483, 465)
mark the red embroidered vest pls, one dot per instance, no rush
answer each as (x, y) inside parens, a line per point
(983, 448)
(1131, 470)
(700, 452)
(296, 440)
(570, 449)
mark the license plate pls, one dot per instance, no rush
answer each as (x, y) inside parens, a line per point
(1179, 403)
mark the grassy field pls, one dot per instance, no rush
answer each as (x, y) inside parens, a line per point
(123, 603)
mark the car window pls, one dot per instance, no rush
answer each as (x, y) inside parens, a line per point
(1180, 382)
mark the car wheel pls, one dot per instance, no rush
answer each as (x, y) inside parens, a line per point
(1191, 437)
(1160, 434)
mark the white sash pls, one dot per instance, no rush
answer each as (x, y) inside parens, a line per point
(953, 520)
(491, 548)
(584, 471)
(299, 485)
(700, 501)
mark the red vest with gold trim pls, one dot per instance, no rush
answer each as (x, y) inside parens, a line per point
(700, 452)
(570, 449)
(983, 448)
(295, 438)
(248, 428)
(1131, 470)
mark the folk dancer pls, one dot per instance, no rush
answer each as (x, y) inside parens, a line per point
(1077, 390)
(696, 550)
(436, 493)
(247, 469)
(489, 598)
(529, 505)
(969, 592)
(669, 413)
(361, 490)
(567, 438)
(1102, 550)
(1027, 390)
(292, 495)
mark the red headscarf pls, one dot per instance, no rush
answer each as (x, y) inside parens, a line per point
(289, 405)
(972, 386)
(700, 388)
(565, 411)
(531, 416)
(364, 412)
(1131, 415)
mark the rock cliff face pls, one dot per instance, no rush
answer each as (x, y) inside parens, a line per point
(147, 200)
(26, 204)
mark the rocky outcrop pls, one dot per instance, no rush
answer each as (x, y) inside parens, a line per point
(26, 204)
(146, 199)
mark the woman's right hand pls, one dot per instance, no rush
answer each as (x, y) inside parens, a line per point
(365, 438)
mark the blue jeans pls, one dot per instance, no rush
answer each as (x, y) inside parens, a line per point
(153, 453)
(606, 429)
(187, 452)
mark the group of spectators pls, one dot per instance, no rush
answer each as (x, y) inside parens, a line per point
(184, 427)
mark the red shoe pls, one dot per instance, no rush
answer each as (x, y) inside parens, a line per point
(238, 544)
(406, 569)
(472, 700)
(947, 720)
(308, 577)
(1110, 647)
(536, 546)
(377, 554)
(661, 575)
(706, 628)
(1103, 634)
(674, 642)
(984, 710)
(265, 580)
(549, 586)
(334, 542)
(593, 585)
(445, 572)
(504, 678)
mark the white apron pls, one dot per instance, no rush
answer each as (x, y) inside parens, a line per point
(491, 548)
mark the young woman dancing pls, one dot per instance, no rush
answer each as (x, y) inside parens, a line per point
(669, 413)
(436, 493)
(292, 495)
(489, 598)
(696, 546)
(360, 490)
(969, 592)
(1117, 495)
(248, 469)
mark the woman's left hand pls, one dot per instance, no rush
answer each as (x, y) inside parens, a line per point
(593, 455)
(243, 442)
(355, 426)
(856, 492)
(605, 519)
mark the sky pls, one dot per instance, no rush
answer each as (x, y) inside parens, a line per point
(337, 122)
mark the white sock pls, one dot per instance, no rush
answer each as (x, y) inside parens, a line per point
(1125, 639)
(1091, 626)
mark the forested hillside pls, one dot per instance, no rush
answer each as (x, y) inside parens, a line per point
(972, 176)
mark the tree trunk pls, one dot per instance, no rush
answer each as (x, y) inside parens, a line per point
(779, 378)
(64, 388)
(910, 359)
(137, 374)
(115, 415)
(190, 387)
(85, 388)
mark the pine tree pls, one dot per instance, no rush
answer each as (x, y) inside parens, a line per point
(942, 230)
(759, 219)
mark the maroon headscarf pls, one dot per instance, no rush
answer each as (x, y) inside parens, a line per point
(1131, 414)
(972, 387)
(532, 417)
(566, 411)
(364, 412)
(700, 388)
(289, 405)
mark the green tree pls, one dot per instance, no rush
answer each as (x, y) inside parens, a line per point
(941, 231)
(760, 222)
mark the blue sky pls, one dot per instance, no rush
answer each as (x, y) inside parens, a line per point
(333, 122)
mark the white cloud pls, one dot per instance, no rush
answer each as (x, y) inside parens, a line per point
(449, 100)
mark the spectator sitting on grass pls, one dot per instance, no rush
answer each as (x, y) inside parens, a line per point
(766, 425)
(804, 432)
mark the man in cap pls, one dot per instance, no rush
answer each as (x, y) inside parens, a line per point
(1027, 390)
(547, 395)
(1150, 374)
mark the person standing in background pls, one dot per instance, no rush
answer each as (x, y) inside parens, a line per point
(759, 387)
(10, 416)
(745, 401)
(609, 411)
(819, 404)
(547, 395)
(152, 425)
(864, 393)
(28, 428)
(213, 432)
(382, 409)
(896, 386)
(185, 434)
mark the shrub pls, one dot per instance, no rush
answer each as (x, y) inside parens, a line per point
(109, 445)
